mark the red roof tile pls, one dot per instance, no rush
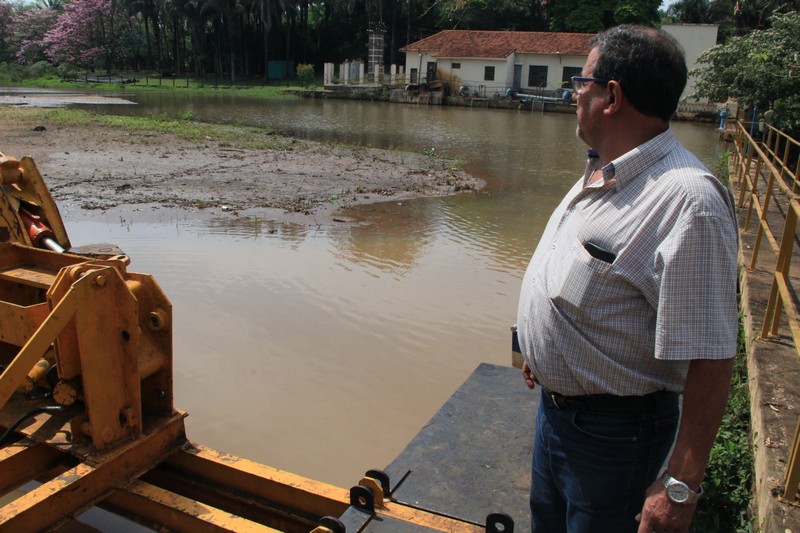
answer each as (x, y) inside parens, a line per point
(469, 43)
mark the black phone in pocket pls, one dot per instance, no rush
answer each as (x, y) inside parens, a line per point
(598, 253)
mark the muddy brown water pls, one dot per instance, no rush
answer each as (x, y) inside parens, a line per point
(324, 350)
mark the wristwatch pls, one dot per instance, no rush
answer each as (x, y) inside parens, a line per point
(678, 491)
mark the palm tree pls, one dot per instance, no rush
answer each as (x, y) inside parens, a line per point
(149, 11)
(224, 14)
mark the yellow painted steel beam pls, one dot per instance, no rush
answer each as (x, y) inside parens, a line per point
(18, 322)
(36, 192)
(162, 508)
(108, 335)
(220, 470)
(38, 277)
(8, 212)
(16, 371)
(22, 461)
(78, 488)
(249, 506)
(427, 519)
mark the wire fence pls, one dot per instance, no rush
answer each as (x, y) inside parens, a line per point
(178, 81)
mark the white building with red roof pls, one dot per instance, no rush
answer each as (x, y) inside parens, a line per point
(491, 62)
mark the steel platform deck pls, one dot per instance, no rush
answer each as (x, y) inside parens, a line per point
(473, 457)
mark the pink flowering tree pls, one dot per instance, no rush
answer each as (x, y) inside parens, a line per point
(91, 34)
(27, 32)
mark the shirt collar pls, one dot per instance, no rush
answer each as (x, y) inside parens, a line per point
(635, 162)
(592, 163)
(623, 169)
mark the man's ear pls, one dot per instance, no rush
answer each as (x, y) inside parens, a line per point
(614, 97)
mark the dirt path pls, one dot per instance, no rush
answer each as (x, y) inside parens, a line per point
(93, 170)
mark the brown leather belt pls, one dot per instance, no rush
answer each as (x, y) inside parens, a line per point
(609, 403)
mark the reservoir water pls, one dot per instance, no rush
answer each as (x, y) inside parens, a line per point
(324, 350)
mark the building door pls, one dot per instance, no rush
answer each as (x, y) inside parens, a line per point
(431, 72)
(517, 77)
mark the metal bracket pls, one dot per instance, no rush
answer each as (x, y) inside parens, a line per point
(499, 523)
(381, 477)
(332, 524)
(362, 498)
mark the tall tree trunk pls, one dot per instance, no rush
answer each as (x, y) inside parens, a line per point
(266, 21)
(150, 61)
(290, 25)
(176, 44)
(233, 65)
(157, 36)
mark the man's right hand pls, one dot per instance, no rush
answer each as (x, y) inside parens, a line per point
(528, 375)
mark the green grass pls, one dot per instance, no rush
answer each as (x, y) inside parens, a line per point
(249, 87)
(183, 127)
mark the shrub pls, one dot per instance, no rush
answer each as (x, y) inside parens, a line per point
(41, 69)
(11, 72)
(305, 73)
(722, 169)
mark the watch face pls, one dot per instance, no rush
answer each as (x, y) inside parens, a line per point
(678, 492)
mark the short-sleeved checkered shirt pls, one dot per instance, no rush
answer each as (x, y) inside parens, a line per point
(634, 276)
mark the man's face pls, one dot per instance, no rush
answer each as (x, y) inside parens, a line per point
(589, 105)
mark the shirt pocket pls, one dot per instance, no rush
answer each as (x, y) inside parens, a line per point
(577, 280)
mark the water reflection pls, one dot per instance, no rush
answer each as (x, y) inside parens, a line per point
(390, 237)
(323, 350)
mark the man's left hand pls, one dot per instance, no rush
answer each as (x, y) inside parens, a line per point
(660, 515)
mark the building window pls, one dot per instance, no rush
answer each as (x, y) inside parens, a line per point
(488, 73)
(455, 65)
(537, 76)
(566, 74)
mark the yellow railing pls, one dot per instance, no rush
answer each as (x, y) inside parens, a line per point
(767, 184)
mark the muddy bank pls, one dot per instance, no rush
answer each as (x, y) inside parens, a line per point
(94, 170)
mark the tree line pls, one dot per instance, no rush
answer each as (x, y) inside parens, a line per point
(756, 59)
(236, 38)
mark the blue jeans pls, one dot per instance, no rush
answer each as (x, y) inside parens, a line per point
(591, 470)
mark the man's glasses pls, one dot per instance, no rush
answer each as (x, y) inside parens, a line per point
(578, 82)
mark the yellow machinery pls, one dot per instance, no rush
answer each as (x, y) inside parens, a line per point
(86, 403)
